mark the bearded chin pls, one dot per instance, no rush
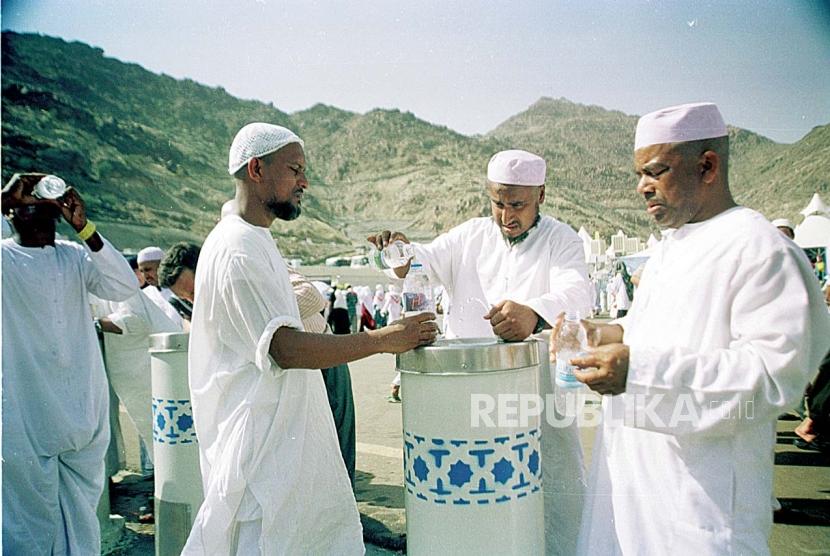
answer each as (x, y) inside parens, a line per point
(284, 210)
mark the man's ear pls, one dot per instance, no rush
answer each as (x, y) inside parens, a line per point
(542, 194)
(254, 169)
(709, 166)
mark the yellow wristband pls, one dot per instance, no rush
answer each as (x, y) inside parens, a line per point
(86, 232)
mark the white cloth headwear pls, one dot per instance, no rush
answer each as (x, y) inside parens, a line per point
(256, 140)
(516, 167)
(783, 223)
(150, 254)
(677, 124)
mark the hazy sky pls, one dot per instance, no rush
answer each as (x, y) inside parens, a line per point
(470, 65)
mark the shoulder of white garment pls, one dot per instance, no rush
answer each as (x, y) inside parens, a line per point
(473, 226)
(745, 232)
(233, 235)
(559, 229)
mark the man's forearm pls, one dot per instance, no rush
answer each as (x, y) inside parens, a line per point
(294, 349)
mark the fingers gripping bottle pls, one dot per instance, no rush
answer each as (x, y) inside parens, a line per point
(571, 342)
(394, 255)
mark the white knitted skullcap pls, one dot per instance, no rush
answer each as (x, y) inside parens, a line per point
(678, 124)
(783, 223)
(256, 140)
(150, 254)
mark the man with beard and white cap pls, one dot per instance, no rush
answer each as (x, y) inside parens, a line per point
(149, 260)
(723, 334)
(274, 479)
(509, 276)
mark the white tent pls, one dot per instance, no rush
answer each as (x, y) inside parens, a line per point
(816, 206)
(586, 242)
(814, 230)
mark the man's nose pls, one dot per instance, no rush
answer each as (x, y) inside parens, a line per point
(645, 185)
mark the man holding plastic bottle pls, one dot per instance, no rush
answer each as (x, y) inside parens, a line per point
(723, 334)
(273, 475)
(509, 276)
(55, 395)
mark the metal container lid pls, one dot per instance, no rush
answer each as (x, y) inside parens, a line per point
(467, 356)
(169, 341)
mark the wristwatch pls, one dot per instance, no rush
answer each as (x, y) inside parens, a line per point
(540, 325)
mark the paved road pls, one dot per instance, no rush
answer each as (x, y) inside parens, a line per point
(802, 479)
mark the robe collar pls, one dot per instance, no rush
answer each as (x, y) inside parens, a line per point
(511, 242)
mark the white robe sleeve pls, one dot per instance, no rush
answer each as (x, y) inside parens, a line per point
(441, 256)
(138, 315)
(257, 306)
(107, 273)
(129, 322)
(780, 332)
(569, 286)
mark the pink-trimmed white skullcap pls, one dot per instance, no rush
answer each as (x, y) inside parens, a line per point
(677, 124)
(516, 167)
(150, 254)
(256, 140)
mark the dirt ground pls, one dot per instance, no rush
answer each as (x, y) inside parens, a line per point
(131, 496)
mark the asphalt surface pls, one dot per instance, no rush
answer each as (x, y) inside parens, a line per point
(802, 479)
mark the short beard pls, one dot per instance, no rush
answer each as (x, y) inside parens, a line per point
(284, 210)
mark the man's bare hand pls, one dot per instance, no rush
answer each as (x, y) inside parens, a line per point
(108, 326)
(604, 369)
(598, 334)
(18, 192)
(381, 239)
(73, 209)
(384, 238)
(407, 333)
(512, 321)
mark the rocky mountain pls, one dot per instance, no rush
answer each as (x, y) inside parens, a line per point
(148, 152)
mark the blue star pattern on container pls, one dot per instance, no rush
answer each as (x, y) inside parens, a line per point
(450, 471)
(173, 422)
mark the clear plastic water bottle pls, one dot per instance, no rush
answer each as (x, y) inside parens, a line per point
(49, 187)
(417, 292)
(394, 255)
(571, 342)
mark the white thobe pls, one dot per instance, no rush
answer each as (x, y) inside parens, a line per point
(392, 307)
(55, 395)
(478, 269)
(267, 440)
(619, 294)
(724, 333)
(127, 356)
(162, 300)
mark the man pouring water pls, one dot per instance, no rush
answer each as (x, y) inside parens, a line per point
(509, 276)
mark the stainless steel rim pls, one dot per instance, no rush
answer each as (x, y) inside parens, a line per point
(469, 356)
(169, 341)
